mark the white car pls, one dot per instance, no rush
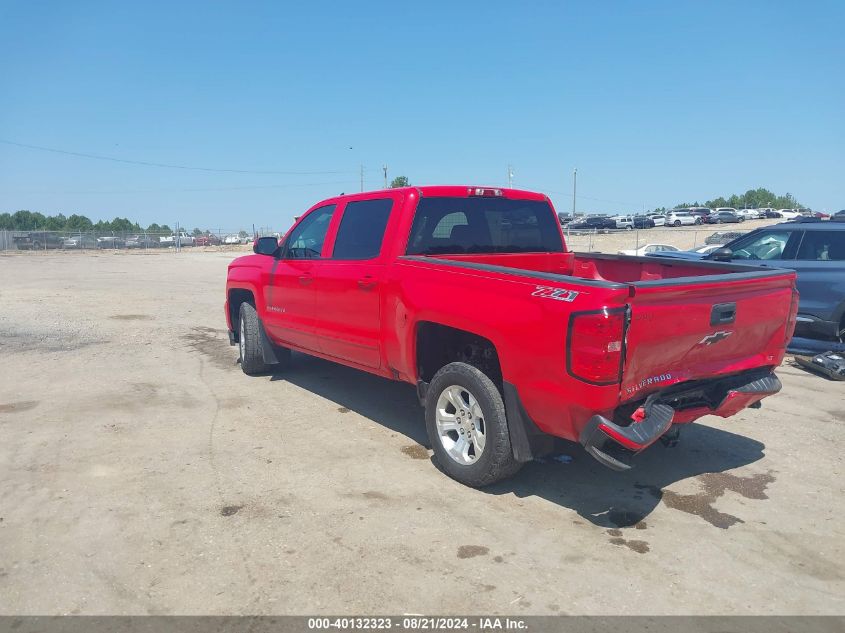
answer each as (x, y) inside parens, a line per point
(624, 221)
(183, 238)
(234, 238)
(749, 214)
(658, 218)
(706, 250)
(649, 249)
(681, 218)
(789, 214)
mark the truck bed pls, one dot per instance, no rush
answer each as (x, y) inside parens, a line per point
(687, 321)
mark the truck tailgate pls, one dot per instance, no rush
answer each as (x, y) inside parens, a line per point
(695, 328)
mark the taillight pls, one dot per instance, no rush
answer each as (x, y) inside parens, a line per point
(595, 344)
(793, 313)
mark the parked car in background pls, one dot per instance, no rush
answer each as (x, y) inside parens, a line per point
(816, 251)
(624, 221)
(748, 214)
(769, 212)
(725, 216)
(644, 222)
(183, 239)
(110, 241)
(234, 238)
(79, 242)
(788, 214)
(659, 219)
(707, 249)
(565, 218)
(207, 240)
(593, 223)
(722, 237)
(700, 212)
(38, 241)
(649, 249)
(142, 241)
(681, 217)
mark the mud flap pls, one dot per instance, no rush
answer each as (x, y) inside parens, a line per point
(268, 351)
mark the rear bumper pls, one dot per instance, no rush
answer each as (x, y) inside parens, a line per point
(632, 430)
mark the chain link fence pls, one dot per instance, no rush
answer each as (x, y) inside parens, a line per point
(647, 241)
(36, 241)
(604, 241)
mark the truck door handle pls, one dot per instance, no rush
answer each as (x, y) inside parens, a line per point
(367, 283)
(304, 280)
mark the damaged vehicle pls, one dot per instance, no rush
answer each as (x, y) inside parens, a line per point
(512, 341)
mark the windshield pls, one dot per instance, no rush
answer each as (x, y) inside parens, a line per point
(483, 225)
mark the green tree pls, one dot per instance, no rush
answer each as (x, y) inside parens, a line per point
(197, 232)
(55, 222)
(78, 223)
(399, 181)
(5, 221)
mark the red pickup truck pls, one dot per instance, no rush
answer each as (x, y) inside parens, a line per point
(512, 340)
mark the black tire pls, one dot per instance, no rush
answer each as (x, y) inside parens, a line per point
(250, 354)
(677, 223)
(496, 461)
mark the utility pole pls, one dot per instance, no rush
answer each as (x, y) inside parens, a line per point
(384, 169)
(362, 177)
(574, 189)
(510, 177)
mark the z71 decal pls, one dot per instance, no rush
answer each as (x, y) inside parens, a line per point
(558, 294)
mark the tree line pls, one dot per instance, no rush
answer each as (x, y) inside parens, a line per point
(35, 221)
(752, 199)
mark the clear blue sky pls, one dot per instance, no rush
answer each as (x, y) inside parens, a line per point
(653, 102)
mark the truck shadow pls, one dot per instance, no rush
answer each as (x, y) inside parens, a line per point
(622, 499)
(391, 404)
(599, 495)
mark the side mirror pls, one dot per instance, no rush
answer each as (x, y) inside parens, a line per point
(265, 246)
(722, 255)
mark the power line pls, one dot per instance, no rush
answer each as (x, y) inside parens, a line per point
(166, 165)
(180, 189)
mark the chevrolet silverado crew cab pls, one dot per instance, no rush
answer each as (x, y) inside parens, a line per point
(512, 340)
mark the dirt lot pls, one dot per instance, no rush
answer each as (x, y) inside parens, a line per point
(142, 472)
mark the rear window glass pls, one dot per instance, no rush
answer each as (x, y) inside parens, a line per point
(483, 225)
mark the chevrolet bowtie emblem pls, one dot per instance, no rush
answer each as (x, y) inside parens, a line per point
(715, 337)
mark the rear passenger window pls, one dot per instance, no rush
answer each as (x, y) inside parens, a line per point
(823, 246)
(362, 229)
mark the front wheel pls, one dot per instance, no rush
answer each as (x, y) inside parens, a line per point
(677, 223)
(249, 341)
(467, 426)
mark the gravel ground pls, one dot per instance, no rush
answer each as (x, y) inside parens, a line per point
(142, 472)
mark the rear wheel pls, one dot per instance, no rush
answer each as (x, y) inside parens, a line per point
(677, 223)
(467, 426)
